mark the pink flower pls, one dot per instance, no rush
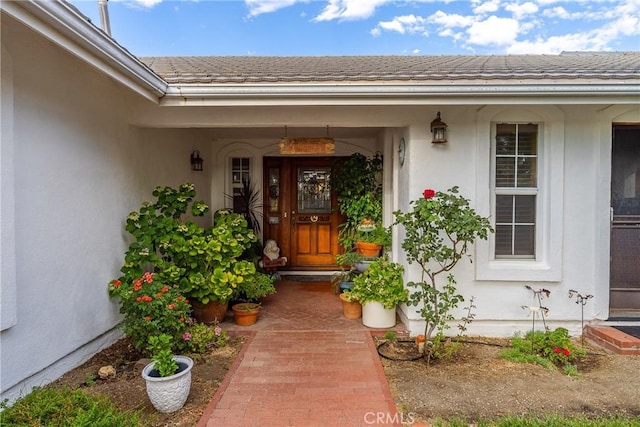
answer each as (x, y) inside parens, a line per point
(428, 193)
(186, 336)
(218, 330)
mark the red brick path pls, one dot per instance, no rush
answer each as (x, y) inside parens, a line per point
(313, 368)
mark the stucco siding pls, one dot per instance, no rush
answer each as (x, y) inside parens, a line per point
(79, 168)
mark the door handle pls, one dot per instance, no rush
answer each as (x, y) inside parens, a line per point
(293, 217)
(314, 218)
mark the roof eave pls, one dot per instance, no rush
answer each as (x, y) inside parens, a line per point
(66, 27)
(395, 94)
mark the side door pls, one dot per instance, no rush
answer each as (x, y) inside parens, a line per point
(624, 280)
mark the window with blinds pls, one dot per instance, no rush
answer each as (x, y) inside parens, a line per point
(516, 190)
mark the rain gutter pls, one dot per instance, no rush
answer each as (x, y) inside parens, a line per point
(400, 94)
(65, 26)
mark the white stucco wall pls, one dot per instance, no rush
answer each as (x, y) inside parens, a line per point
(79, 168)
(583, 174)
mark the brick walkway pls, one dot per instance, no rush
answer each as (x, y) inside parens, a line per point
(303, 365)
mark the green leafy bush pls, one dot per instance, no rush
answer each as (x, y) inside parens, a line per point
(382, 282)
(549, 348)
(64, 407)
(200, 337)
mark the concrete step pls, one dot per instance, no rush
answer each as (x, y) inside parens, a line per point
(612, 339)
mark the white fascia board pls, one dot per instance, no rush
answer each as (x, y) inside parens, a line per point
(63, 25)
(400, 94)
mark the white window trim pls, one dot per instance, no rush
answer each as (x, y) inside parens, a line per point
(547, 265)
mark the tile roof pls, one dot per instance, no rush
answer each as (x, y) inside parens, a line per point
(322, 69)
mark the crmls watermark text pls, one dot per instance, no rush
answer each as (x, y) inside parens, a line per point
(386, 418)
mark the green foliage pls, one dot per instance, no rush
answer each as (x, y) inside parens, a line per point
(438, 232)
(381, 282)
(549, 349)
(160, 348)
(247, 203)
(358, 185)
(65, 407)
(204, 262)
(254, 287)
(379, 235)
(200, 337)
(151, 305)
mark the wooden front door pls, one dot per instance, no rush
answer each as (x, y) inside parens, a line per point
(625, 225)
(300, 212)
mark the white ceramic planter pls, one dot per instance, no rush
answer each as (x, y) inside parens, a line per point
(169, 394)
(374, 315)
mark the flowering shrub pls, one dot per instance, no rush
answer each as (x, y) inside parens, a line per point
(199, 337)
(548, 348)
(151, 307)
(438, 232)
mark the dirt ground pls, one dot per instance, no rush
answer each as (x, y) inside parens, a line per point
(475, 384)
(478, 384)
(128, 390)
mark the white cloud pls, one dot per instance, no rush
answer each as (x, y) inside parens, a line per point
(521, 10)
(258, 7)
(349, 9)
(493, 31)
(450, 20)
(405, 24)
(484, 7)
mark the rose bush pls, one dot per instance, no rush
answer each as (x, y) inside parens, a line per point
(438, 232)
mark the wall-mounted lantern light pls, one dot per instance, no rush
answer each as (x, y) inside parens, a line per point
(439, 130)
(196, 161)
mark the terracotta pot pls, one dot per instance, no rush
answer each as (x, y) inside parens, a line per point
(368, 249)
(246, 313)
(209, 313)
(351, 309)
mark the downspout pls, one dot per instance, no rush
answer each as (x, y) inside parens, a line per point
(104, 17)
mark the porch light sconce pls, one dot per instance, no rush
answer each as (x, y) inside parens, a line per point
(196, 161)
(439, 130)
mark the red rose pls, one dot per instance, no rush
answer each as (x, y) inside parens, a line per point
(117, 284)
(428, 193)
(566, 352)
(556, 350)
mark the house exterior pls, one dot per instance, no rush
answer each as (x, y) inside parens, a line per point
(548, 146)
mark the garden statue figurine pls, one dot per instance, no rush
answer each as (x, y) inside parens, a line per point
(271, 258)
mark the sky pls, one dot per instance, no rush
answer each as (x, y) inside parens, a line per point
(369, 27)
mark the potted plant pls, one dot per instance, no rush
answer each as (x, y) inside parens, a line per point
(168, 377)
(255, 287)
(371, 238)
(351, 307)
(246, 313)
(343, 279)
(380, 289)
(358, 186)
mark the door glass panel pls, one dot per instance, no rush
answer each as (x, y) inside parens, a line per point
(314, 191)
(625, 179)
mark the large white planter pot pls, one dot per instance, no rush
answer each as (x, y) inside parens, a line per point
(168, 394)
(374, 315)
